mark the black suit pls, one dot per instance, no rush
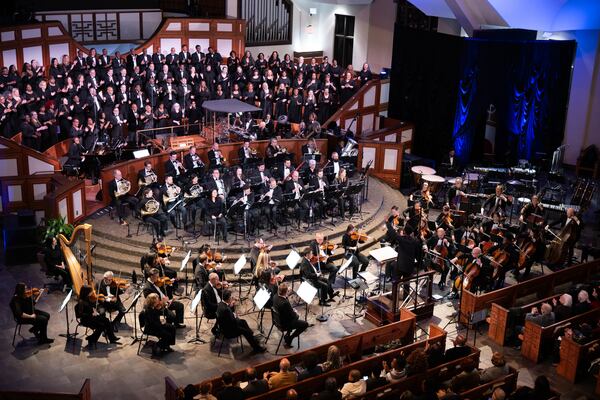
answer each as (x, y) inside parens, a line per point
(327, 266)
(110, 305)
(172, 170)
(174, 311)
(210, 300)
(288, 318)
(196, 167)
(358, 260)
(256, 387)
(232, 326)
(456, 352)
(212, 159)
(408, 250)
(153, 326)
(307, 272)
(120, 201)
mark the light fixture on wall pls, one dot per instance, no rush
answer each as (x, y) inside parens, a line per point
(310, 29)
(312, 11)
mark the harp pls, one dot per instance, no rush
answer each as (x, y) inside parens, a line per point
(78, 275)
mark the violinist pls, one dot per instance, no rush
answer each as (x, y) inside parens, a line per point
(424, 196)
(264, 262)
(257, 248)
(200, 271)
(444, 219)
(173, 308)
(153, 310)
(89, 316)
(455, 193)
(112, 293)
(350, 242)
(211, 296)
(160, 261)
(531, 209)
(288, 318)
(23, 308)
(441, 246)
(231, 325)
(414, 214)
(497, 202)
(323, 250)
(284, 170)
(310, 272)
(393, 224)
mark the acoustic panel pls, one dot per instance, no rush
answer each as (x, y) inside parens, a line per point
(9, 57)
(203, 42)
(31, 33)
(129, 25)
(224, 46)
(77, 204)
(367, 123)
(221, 27)
(369, 98)
(390, 138)
(8, 167)
(37, 166)
(7, 37)
(390, 159)
(33, 53)
(15, 193)
(384, 94)
(54, 31)
(151, 21)
(58, 50)
(406, 136)
(368, 155)
(199, 26)
(167, 43)
(174, 26)
(63, 209)
(39, 191)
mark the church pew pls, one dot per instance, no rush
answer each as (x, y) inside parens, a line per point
(85, 393)
(309, 386)
(508, 383)
(541, 286)
(573, 358)
(499, 318)
(352, 347)
(535, 337)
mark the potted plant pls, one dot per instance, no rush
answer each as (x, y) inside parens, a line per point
(56, 226)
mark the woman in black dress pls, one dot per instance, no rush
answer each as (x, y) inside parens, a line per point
(153, 310)
(55, 263)
(347, 88)
(214, 211)
(325, 106)
(177, 118)
(281, 101)
(23, 308)
(266, 100)
(90, 317)
(295, 107)
(310, 105)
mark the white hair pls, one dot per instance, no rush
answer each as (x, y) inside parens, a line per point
(566, 300)
(108, 274)
(583, 296)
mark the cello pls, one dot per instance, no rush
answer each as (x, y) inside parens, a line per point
(471, 272)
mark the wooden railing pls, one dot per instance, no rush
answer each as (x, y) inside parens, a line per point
(85, 393)
(574, 358)
(351, 347)
(366, 105)
(542, 286)
(58, 150)
(129, 169)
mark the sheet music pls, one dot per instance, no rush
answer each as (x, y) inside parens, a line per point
(239, 264)
(368, 277)
(345, 266)
(261, 298)
(384, 254)
(293, 259)
(66, 301)
(307, 292)
(185, 260)
(196, 301)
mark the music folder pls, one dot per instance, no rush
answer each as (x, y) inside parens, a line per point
(345, 266)
(239, 264)
(261, 298)
(384, 254)
(306, 292)
(292, 259)
(185, 260)
(66, 300)
(196, 301)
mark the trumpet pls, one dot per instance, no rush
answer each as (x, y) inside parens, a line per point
(173, 192)
(151, 207)
(123, 187)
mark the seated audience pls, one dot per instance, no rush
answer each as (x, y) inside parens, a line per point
(355, 387)
(468, 378)
(311, 366)
(334, 360)
(254, 386)
(375, 378)
(229, 391)
(541, 389)
(282, 378)
(497, 370)
(396, 370)
(563, 307)
(416, 362)
(330, 391)
(459, 350)
(583, 303)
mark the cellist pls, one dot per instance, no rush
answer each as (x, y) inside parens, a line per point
(475, 272)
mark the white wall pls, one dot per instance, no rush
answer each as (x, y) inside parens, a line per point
(381, 34)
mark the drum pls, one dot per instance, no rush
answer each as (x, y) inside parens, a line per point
(420, 170)
(452, 181)
(435, 182)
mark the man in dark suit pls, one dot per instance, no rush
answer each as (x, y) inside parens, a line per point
(198, 58)
(408, 249)
(112, 294)
(413, 216)
(229, 390)
(131, 61)
(174, 309)
(120, 200)
(288, 318)
(144, 59)
(184, 56)
(74, 157)
(325, 266)
(173, 167)
(244, 153)
(158, 58)
(312, 275)
(215, 157)
(275, 197)
(459, 350)
(193, 163)
(211, 296)
(497, 202)
(254, 385)
(233, 326)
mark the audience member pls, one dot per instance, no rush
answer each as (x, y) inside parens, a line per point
(254, 386)
(468, 378)
(459, 350)
(311, 366)
(334, 360)
(229, 391)
(283, 377)
(330, 391)
(497, 370)
(355, 387)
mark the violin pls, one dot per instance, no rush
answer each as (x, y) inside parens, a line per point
(164, 250)
(119, 283)
(361, 237)
(327, 246)
(163, 281)
(214, 256)
(34, 293)
(96, 298)
(316, 259)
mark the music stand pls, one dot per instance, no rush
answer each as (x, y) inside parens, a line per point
(381, 256)
(357, 284)
(343, 269)
(237, 270)
(194, 309)
(310, 197)
(292, 261)
(132, 306)
(261, 298)
(238, 208)
(184, 262)
(355, 190)
(63, 306)
(307, 293)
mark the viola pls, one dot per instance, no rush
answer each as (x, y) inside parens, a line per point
(164, 250)
(164, 281)
(33, 293)
(327, 246)
(96, 297)
(317, 259)
(214, 256)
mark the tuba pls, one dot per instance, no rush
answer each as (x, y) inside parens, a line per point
(123, 187)
(151, 207)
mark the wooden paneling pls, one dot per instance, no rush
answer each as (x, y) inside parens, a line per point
(85, 393)
(62, 189)
(59, 149)
(573, 358)
(391, 174)
(129, 169)
(12, 150)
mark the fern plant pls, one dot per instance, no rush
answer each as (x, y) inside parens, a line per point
(55, 226)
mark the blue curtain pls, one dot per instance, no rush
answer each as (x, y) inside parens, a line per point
(462, 135)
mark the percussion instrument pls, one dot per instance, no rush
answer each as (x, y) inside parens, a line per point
(420, 170)
(435, 182)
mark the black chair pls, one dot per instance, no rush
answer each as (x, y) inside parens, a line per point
(277, 323)
(79, 323)
(145, 335)
(17, 325)
(147, 226)
(229, 337)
